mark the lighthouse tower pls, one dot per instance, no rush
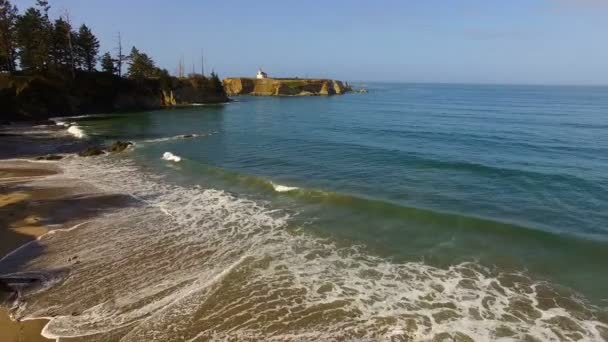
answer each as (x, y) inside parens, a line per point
(261, 74)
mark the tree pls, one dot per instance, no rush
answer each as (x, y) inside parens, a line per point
(216, 84)
(107, 63)
(87, 48)
(32, 40)
(141, 65)
(44, 7)
(60, 49)
(8, 22)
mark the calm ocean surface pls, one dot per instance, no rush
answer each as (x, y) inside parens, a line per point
(505, 179)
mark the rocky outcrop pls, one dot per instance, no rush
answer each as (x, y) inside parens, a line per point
(284, 87)
(91, 152)
(36, 97)
(50, 157)
(192, 90)
(119, 146)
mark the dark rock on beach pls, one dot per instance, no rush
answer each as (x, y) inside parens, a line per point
(50, 157)
(6, 292)
(119, 146)
(91, 151)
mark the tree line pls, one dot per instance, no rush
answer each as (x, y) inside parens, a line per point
(32, 43)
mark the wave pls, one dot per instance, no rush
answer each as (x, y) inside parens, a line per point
(378, 207)
(283, 188)
(205, 264)
(179, 137)
(171, 157)
(76, 132)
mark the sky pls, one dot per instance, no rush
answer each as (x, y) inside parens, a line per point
(451, 41)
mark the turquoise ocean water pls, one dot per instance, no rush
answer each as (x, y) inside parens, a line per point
(505, 179)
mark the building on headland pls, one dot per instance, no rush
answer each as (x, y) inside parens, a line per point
(261, 74)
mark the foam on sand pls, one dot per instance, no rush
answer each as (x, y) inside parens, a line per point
(201, 264)
(171, 157)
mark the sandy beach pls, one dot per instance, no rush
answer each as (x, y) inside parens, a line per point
(30, 206)
(21, 223)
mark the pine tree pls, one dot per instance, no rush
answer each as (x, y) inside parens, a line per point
(107, 63)
(60, 51)
(87, 48)
(8, 22)
(216, 84)
(32, 40)
(141, 65)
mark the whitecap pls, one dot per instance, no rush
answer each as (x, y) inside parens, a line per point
(283, 188)
(171, 157)
(76, 131)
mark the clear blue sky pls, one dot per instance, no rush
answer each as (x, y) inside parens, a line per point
(472, 41)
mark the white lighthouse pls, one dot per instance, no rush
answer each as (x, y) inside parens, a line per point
(261, 74)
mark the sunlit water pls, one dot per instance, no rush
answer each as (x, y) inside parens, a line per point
(411, 212)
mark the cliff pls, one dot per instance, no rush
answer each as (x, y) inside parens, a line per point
(283, 86)
(27, 97)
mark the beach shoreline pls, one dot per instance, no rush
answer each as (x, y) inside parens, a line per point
(16, 233)
(32, 206)
(34, 202)
(185, 226)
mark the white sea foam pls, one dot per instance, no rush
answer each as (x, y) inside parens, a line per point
(171, 157)
(283, 188)
(61, 123)
(77, 132)
(197, 264)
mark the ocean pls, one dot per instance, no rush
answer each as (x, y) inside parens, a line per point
(412, 212)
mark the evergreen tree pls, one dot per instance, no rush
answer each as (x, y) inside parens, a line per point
(141, 65)
(8, 22)
(60, 49)
(87, 48)
(32, 40)
(44, 8)
(107, 63)
(216, 84)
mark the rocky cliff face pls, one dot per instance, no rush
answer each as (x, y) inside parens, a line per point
(196, 89)
(283, 87)
(44, 96)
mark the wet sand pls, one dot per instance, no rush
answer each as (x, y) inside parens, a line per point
(17, 228)
(30, 206)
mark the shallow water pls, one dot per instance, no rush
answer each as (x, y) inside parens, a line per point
(409, 212)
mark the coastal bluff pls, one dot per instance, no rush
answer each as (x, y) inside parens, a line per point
(284, 86)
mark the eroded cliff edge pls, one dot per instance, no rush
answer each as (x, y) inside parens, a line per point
(40, 97)
(284, 86)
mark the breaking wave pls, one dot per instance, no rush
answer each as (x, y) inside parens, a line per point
(171, 157)
(283, 188)
(76, 132)
(196, 264)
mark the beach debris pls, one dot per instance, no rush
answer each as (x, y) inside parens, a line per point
(119, 146)
(91, 151)
(50, 157)
(70, 259)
